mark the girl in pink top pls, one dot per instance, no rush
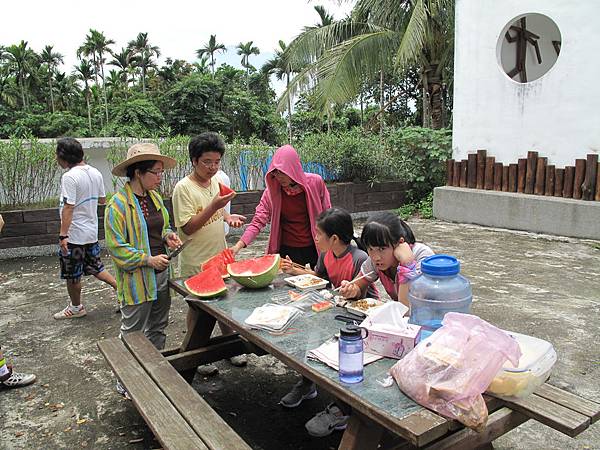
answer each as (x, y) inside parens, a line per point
(291, 202)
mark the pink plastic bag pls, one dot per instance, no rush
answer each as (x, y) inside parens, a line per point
(449, 371)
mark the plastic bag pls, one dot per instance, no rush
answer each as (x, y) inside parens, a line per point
(448, 371)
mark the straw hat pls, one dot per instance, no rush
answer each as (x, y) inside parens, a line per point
(142, 152)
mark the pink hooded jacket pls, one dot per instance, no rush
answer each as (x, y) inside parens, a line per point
(268, 210)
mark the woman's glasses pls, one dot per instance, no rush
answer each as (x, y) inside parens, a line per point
(158, 173)
(209, 164)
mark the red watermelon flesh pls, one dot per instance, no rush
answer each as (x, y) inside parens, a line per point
(224, 190)
(256, 272)
(206, 284)
(220, 261)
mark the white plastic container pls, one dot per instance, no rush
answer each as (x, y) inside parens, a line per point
(538, 358)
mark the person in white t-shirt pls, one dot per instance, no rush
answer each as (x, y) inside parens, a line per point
(82, 189)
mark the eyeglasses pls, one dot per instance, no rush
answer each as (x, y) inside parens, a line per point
(158, 173)
(209, 164)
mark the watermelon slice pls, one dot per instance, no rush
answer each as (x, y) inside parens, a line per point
(220, 261)
(224, 190)
(255, 273)
(206, 284)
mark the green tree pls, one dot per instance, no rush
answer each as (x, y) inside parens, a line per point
(52, 59)
(379, 34)
(145, 52)
(97, 45)
(125, 61)
(211, 48)
(85, 73)
(246, 50)
(23, 61)
(277, 66)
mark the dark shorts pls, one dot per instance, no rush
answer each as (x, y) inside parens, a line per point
(81, 260)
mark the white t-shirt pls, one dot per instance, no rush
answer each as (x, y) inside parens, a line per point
(224, 179)
(82, 186)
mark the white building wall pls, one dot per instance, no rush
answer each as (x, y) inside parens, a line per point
(557, 114)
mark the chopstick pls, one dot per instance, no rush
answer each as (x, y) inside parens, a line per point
(296, 265)
(355, 280)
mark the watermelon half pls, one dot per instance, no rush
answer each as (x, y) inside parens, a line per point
(206, 284)
(220, 261)
(255, 273)
(224, 190)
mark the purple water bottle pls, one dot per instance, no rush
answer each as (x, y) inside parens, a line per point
(351, 354)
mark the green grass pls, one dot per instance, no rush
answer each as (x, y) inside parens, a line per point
(422, 209)
(48, 203)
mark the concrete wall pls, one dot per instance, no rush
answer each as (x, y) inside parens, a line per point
(556, 114)
(41, 227)
(540, 214)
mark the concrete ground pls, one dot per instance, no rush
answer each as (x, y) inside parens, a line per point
(544, 286)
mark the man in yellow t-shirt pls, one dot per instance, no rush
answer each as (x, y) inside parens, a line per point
(198, 209)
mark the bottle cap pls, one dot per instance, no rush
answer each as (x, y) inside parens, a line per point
(351, 331)
(440, 265)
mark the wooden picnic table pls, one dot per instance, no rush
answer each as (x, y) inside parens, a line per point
(377, 411)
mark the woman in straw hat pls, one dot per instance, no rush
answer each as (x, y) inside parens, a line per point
(136, 224)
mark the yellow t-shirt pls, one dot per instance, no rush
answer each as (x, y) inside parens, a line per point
(189, 198)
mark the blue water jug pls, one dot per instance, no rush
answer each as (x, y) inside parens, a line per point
(440, 289)
(351, 354)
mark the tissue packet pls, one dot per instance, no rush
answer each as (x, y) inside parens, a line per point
(390, 334)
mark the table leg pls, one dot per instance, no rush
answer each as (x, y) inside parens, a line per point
(197, 335)
(361, 434)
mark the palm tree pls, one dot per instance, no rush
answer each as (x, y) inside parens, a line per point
(246, 50)
(378, 35)
(23, 61)
(210, 49)
(97, 45)
(125, 60)
(66, 88)
(145, 52)
(52, 60)
(277, 66)
(85, 72)
(326, 18)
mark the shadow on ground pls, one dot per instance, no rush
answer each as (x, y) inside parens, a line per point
(544, 286)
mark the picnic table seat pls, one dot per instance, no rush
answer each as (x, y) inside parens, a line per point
(177, 415)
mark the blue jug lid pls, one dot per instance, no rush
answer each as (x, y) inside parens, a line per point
(440, 265)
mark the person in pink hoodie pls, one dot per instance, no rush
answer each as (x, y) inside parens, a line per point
(291, 202)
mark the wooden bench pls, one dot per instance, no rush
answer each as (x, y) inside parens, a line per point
(174, 411)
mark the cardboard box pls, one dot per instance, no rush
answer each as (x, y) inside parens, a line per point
(390, 334)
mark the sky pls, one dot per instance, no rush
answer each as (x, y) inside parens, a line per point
(177, 27)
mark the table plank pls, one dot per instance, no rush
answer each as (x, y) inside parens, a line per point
(213, 430)
(161, 416)
(499, 423)
(552, 414)
(569, 400)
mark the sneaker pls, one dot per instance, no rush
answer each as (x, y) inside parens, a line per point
(239, 360)
(326, 422)
(69, 313)
(300, 392)
(18, 379)
(121, 390)
(207, 370)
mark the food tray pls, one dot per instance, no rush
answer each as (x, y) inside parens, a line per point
(306, 282)
(364, 306)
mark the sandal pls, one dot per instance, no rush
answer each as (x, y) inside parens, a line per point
(18, 379)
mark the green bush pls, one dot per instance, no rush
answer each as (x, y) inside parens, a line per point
(413, 155)
(28, 172)
(137, 117)
(45, 125)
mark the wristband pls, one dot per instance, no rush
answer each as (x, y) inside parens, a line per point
(62, 238)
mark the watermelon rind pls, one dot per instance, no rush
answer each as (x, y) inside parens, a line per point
(211, 275)
(255, 280)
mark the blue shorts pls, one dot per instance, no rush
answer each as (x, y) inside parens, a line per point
(80, 260)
